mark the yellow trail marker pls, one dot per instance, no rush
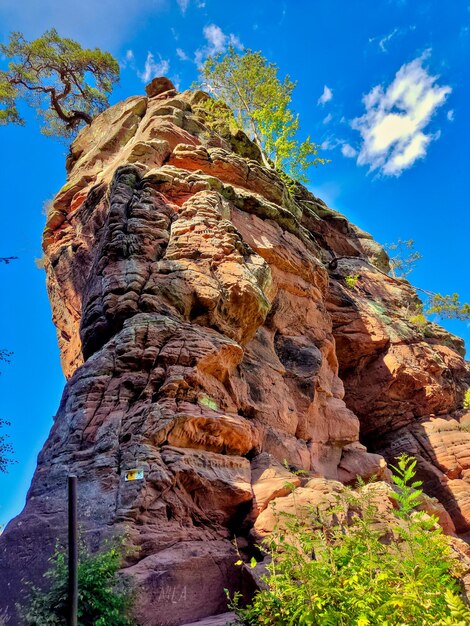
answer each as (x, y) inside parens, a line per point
(134, 474)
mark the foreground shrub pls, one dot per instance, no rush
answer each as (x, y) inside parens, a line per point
(349, 568)
(466, 399)
(104, 598)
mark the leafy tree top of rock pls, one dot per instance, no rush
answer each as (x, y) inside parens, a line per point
(402, 263)
(249, 86)
(68, 85)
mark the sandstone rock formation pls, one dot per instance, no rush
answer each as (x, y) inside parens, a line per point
(209, 339)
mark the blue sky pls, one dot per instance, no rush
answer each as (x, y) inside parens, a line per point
(383, 85)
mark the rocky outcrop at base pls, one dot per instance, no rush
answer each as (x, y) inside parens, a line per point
(210, 341)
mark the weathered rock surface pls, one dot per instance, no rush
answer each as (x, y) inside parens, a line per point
(393, 371)
(269, 480)
(442, 447)
(209, 339)
(217, 620)
(319, 493)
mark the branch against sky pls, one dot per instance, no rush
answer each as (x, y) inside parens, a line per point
(68, 85)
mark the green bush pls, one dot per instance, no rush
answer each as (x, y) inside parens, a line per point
(351, 280)
(348, 568)
(104, 598)
(419, 320)
(466, 399)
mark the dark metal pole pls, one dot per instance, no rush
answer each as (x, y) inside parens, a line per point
(73, 552)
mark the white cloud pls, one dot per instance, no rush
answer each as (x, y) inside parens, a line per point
(330, 143)
(348, 151)
(153, 68)
(450, 115)
(384, 41)
(396, 116)
(326, 95)
(181, 54)
(217, 41)
(129, 60)
(216, 38)
(327, 119)
(183, 5)
(235, 41)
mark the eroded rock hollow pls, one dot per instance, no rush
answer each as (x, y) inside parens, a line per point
(210, 340)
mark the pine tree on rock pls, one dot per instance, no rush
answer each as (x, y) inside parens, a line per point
(68, 85)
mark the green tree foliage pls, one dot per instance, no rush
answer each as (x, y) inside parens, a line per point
(256, 100)
(444, 307)
(5, 448)
(403, 257)
(104, 598)
(67, 84)
(5, 355)
(448, 307)
(466, 399)
(403, 262)
(343, 568)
